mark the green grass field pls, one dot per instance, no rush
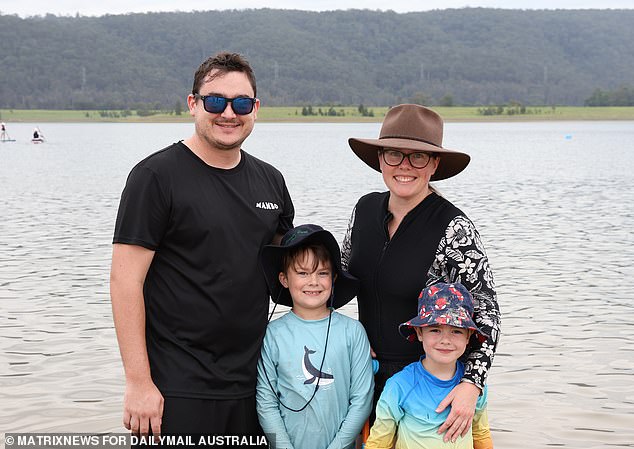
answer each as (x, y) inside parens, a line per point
(345, 114)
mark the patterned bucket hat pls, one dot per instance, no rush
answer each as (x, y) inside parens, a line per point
(441, 303)
(346, 286)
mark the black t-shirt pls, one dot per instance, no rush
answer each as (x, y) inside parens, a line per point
(205, 296)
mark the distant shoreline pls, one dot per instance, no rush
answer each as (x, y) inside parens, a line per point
(346, 114)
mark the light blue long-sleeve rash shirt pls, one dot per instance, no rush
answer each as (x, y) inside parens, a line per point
(289, 370)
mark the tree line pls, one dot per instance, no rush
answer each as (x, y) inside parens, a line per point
(470, 56)
(623, 96)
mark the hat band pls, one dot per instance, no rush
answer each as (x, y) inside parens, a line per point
(410, 138)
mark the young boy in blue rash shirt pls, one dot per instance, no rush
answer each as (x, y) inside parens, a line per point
(315, 379)
(406, 411)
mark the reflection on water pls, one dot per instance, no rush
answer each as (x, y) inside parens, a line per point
(555, 213)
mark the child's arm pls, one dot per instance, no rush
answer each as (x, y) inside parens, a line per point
(361, 389)
(268, 406)
(388, 415)
(481, 431)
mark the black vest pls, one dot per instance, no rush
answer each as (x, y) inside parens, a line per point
(393, 272)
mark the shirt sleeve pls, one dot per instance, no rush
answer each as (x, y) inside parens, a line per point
(346, 246)
(361, 389)
(480, 430)
(288, 214)
(388, 415)
(461, 257)
(143, 214)
(267, 403)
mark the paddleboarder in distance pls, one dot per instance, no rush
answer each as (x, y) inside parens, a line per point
(4, 135)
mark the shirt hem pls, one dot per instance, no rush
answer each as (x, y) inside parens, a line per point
(214, 396)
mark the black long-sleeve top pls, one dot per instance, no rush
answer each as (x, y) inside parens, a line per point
(435, 242)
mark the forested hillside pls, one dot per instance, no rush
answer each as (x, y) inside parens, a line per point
(470, 56)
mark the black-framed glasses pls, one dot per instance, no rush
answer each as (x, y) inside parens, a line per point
(215, 104)
(394, 158)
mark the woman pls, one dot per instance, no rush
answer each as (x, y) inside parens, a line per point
(401, 240)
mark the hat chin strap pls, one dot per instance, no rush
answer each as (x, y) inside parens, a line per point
(331, 300)
(275, 303)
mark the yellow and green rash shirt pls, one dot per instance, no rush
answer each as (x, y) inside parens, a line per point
(405, 413)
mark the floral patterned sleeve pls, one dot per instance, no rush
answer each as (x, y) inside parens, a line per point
(346, 246)
(461, 257)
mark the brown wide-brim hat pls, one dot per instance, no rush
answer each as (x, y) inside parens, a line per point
(412, 127)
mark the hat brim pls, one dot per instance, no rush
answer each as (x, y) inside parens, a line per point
(407, 329)
(346, 286)
(451, 162)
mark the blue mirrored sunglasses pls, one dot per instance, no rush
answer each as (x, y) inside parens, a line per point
(216, 105)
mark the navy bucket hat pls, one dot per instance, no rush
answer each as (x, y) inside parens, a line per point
(345, 286)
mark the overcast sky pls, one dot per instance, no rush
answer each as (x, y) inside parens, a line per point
(25, 8)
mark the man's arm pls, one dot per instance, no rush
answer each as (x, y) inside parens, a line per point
(143, 402)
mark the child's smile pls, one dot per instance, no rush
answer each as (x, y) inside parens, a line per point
(443, 345)
(310, 289)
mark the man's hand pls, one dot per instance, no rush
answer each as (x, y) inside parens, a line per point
(463, 399)
(142, 408)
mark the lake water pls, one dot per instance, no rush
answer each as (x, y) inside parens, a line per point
(554, 203)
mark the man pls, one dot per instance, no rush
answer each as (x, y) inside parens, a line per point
(188, 297)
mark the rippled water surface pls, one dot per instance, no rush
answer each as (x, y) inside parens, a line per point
(554, 203)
